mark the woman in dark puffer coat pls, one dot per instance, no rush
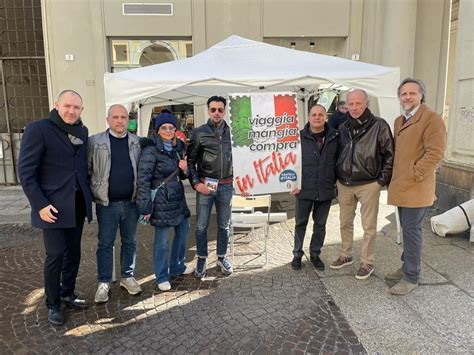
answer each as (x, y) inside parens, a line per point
(162, 156)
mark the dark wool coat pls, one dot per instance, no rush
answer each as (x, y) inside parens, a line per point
(49, 168)
(169, 207)
(318, 167)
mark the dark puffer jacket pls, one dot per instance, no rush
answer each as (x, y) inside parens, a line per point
(209, 154)
(368, 155)
(318, 167)
(156, 164)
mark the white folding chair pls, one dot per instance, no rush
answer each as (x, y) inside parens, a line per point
(249, 224)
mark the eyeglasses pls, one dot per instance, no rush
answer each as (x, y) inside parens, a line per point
(220, 109)
(165, 128)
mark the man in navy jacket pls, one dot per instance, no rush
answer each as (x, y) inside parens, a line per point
(319, 144)
(53, 173)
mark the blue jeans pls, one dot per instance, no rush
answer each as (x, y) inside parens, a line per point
(178, 251)
(223, 200)
(123, 214)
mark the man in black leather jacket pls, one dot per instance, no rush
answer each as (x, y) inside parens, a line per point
(210, 164)
(364, 166)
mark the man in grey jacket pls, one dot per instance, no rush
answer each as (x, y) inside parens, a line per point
(112, 160)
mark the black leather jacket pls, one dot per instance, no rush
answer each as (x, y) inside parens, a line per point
(366, 157)
(209, 153)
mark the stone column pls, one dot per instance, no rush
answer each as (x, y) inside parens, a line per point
(456, 179)
(398, 45)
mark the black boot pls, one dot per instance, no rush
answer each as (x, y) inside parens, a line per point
(55, 317)
(74, 302)
(317, 263)
(296, 263)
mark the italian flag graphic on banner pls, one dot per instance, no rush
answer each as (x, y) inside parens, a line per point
(265, 142)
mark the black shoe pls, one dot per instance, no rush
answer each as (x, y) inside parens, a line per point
(296, 263)
(317, 263)
(55, 317)
(74, 302)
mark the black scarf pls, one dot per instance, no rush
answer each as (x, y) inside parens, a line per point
(76, 130)
(358, 122)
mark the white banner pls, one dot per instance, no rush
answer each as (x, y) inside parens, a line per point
(265, 142)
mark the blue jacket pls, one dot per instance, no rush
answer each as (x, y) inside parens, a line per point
(49, 168)
(169, 207)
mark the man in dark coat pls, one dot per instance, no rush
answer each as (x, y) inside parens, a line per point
(318, 155)
(338, 117)
(53, 173)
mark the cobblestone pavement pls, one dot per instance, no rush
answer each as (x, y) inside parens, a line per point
(269, 310)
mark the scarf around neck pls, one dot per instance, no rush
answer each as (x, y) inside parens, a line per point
(168, 145)
(75, 131)
(358, 122)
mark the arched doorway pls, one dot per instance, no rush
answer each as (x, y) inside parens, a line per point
(156, 53)
(135, 53)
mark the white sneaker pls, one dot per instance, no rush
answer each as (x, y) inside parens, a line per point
(189, 269)
(102, 293)
(131, 285)
(164, 286)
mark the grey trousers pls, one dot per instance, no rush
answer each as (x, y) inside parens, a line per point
(411, 220)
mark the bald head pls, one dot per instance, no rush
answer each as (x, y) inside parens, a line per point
(316, 118)
(117, 118)
(69, 106)
(116, 106)
(358, 92)
(69, 92)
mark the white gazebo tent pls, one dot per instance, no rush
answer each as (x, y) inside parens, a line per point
(241, 65)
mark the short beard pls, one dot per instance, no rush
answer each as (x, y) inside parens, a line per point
(408, 107)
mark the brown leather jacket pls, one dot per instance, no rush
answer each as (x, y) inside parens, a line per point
(366, 156)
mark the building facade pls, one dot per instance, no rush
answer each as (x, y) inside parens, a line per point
(86, 38)
(24, 87)
(455, 182)
(83, 39)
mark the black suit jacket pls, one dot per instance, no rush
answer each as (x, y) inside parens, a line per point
(50, 171)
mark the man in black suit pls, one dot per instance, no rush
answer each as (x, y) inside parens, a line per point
(53, 173)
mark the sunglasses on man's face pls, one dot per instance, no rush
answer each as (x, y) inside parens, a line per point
(214, 109)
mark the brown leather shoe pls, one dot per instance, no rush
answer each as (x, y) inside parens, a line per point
(365, 270)
(341, 262)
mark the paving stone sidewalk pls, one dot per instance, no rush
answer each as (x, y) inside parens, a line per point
(269, 310)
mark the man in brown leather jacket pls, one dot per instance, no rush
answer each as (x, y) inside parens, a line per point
(364, 166)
